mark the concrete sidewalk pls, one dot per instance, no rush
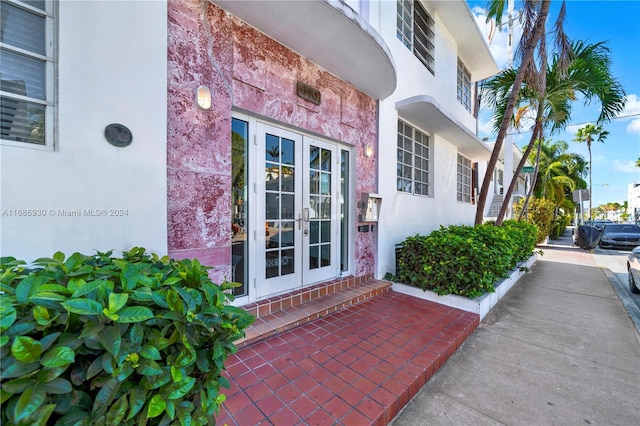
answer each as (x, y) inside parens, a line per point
(559, 349)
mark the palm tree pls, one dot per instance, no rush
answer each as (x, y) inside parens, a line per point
(560, 172)
(588, 134)
(638, 162)
(535, 16)
(588, 74)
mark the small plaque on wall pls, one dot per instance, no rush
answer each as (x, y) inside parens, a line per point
(118, 135)
(308, 93)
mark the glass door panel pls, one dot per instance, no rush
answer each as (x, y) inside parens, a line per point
(280, 262)
(320, 211)
(298, 200)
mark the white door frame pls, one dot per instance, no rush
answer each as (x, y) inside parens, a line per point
(293, 230)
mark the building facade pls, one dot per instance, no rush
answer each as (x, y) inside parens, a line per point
(633, 201)
(428, 147)
(249, 135)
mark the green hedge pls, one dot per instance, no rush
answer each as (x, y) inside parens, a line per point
(464, 260)
(558, 226)
(540, 213)
(98, 340)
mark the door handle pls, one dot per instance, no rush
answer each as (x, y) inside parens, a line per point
(299, 220)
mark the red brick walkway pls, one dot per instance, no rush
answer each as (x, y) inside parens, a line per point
(358, 366)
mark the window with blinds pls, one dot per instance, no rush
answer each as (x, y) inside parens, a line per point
(464, 85)
(26, 72)
(415, 28)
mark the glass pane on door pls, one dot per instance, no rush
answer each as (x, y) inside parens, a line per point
(280, 199)
(320, 200)
(239, 208)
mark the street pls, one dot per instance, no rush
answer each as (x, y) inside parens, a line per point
(614, 262)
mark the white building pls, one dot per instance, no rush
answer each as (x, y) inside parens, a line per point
(104, 147)
(69, 70)
(633, 201)
(500, 183)
(428, 148)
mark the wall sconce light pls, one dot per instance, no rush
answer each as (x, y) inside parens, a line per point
(203, 97)
(368, 150)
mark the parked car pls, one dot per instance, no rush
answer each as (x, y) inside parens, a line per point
(633, 269)
(620, 236)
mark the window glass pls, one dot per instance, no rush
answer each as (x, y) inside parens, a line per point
(464, 85)
(344, 212)
(412, 173)
(23, 75)
(25, 68)
(239, 208)
(464, 179)
(23, 29)
(415, 28)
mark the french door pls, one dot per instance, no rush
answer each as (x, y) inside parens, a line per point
(297, 200)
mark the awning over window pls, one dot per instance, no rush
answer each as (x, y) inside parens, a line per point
(330, 34)
(425, 112)
(472, 48)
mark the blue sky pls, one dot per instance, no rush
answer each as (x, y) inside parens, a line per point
(617, 23)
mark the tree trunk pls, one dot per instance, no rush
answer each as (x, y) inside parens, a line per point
(514, 180)
(527, 58)
(533, 181)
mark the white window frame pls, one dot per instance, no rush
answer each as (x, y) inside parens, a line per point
(464, 179)
(50, 69)
(464, 85)
(414, 160)
(417, 34)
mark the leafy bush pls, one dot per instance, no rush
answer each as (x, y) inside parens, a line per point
(540, 213)
(464, 260)
(97, 340)
(523, 235)
(558, 226)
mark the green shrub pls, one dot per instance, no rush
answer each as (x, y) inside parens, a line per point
(464, 260)
(97, 340)
(523, 235)
(540, 213)
(558, 226)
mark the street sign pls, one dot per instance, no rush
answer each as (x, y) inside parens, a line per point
(528, 169)
(580, 195)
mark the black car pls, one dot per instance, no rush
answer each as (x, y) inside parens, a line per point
(620, 236)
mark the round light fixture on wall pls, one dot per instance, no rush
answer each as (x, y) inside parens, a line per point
(203, 97)
(368, 150)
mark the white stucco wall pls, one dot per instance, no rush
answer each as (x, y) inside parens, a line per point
(112, 61)
(403, 214)
(633, 198)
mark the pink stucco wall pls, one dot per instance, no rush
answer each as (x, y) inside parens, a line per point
(245, 69)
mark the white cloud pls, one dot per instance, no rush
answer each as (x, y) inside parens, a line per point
(485, 127)
(632, 107)
(634, 126)
(625, 166)
(496, 39)
(573, 128)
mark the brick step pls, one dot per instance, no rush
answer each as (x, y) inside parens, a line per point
(281, 313)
